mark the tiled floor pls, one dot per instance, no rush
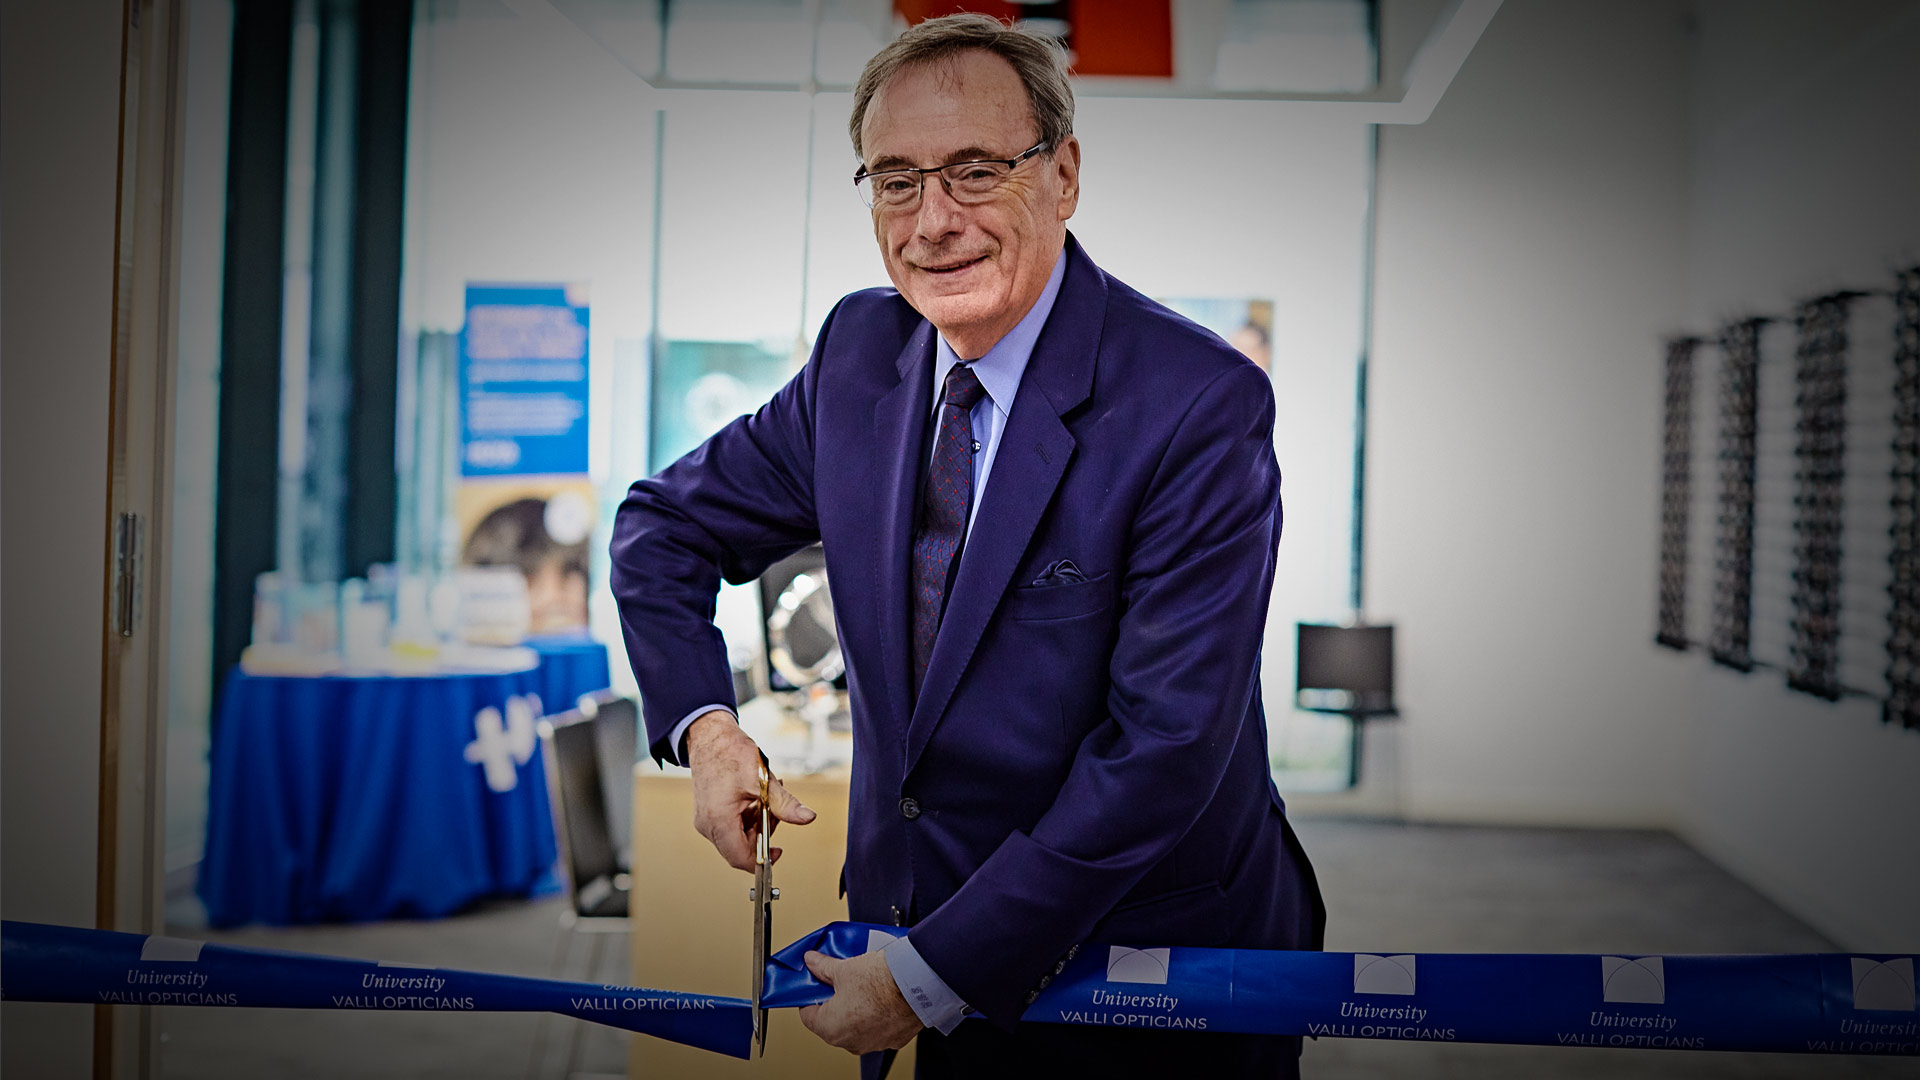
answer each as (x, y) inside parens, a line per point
(1390, 888)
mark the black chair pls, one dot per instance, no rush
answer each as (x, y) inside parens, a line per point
(616, 736)
(591, 858)
(589, 854)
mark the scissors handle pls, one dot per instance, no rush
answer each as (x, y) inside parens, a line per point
(766, 813)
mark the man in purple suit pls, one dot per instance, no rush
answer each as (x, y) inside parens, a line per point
(1050, 511)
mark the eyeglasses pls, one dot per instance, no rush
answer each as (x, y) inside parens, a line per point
(967, 181)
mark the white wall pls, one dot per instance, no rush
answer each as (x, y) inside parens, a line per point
(1804, 172)
(531, 160)
(1277, 213)
(1528, 261)
(59, 105)
(1598, 177)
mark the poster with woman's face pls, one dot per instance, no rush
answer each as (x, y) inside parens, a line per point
(542, 527)
(1247, 325)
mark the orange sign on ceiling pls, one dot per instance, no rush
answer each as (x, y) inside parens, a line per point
(1108, 37)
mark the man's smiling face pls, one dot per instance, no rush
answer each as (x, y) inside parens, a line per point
(973, 270)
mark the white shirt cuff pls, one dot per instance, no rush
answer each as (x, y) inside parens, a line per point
(932, 1000)
(679, 732)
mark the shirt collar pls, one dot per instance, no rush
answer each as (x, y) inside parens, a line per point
(1000, 370)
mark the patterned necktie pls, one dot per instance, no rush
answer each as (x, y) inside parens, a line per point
(944, 503)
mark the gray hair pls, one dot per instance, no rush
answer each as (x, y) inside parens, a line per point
(1040, 61)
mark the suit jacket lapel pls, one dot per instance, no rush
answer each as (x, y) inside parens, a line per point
(1034, 450)
(900, 420)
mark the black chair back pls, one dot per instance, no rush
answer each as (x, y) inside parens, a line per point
(616, 730)
(587, 847)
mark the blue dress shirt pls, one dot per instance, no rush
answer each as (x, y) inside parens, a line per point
(999, 371)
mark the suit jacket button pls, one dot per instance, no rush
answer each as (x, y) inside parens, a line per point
(909, 808)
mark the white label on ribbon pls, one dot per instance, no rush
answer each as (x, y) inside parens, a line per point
(1633, 982)
(1383, 974)
(1126, 965)
(170, 950)
(1883, 986)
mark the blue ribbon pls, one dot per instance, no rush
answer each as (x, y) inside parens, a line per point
(101, 967)
(1812, 1003)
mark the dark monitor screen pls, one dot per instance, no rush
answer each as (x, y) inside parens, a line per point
(1354, 658)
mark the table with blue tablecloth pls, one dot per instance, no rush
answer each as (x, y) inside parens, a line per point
(355, 797)
(570, 665)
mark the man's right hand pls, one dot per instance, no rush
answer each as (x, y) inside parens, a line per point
(726, 790)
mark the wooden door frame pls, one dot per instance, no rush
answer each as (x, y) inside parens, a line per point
(130, 892)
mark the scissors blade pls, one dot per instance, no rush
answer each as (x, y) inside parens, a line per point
(762, 949)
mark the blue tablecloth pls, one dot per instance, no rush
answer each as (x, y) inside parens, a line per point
(570, 665)
(344, 798)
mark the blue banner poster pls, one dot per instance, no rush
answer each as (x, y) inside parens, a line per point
(523, 381)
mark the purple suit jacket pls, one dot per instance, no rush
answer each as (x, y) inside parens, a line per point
(1086, 760)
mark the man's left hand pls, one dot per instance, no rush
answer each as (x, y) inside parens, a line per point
(866, 1012)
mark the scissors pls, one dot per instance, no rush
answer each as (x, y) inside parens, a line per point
(763, 894)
